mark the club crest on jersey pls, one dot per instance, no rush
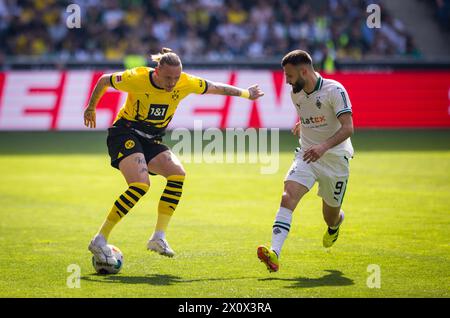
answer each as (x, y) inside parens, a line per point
(318, 103)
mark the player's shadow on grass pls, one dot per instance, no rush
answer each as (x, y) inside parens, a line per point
(154, 279)
(334, 278)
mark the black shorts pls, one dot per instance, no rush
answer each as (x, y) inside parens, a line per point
(123, 142)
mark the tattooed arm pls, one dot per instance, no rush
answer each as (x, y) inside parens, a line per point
(253, 92)
(100, 88)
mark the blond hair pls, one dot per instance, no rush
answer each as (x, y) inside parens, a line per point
(166, 56)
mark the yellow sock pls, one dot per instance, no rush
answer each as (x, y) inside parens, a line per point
(169, 201)
(122, 205)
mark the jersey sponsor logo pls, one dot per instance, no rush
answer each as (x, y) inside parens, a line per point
(157, 111)
(129, 144)
(317, 120)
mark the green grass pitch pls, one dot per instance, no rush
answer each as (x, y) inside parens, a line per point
(56, 189)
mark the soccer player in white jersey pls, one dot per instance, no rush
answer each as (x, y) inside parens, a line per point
(325, 127)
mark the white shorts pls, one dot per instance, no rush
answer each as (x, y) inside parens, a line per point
(330, 171)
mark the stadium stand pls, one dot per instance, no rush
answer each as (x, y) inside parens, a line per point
(207, 30)
(442, 12)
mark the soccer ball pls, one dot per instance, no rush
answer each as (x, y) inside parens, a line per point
(104, 268)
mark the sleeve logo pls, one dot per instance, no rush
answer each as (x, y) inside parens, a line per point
(129, 144)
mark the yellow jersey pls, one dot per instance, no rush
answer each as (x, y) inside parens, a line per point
(149, 104)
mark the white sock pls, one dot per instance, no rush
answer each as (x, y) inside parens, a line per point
(158, 235)
(280, 229)
(99, 240)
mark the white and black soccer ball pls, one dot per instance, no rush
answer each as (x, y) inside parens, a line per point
(105, 268)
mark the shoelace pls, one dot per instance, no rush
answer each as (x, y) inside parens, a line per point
(165, 245)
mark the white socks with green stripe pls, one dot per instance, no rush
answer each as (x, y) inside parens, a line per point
(280, 229)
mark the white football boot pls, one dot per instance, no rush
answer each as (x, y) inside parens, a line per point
(101, 251)
(160, 246)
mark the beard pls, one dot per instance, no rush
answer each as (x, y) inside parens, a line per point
(298, 85)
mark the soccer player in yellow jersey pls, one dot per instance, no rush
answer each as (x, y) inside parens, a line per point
(134, 140)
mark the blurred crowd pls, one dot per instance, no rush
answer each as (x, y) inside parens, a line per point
(442, 13)
(200, 30)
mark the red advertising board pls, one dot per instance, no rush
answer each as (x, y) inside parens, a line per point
(399, 99)
(54, 100)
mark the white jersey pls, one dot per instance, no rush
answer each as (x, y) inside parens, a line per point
(319, 112)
